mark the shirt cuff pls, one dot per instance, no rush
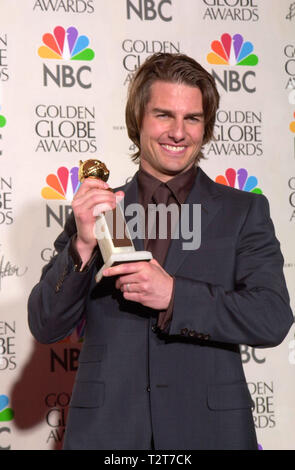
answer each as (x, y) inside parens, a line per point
(76, 257)
(165, 317)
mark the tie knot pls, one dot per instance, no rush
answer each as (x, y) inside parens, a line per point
(161, 194)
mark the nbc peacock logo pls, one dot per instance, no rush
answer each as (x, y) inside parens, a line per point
(239, 179)
(2, 120)
(6, 413)
(2, 124)
(62, 185)
(232, 50)
(292, 129)
(77, 336)
(66, 44)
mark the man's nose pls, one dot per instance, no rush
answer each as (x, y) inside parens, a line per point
(177, 130)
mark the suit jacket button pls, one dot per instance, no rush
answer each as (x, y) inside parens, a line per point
(184, 331)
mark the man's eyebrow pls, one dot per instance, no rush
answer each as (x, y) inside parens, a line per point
(169, 112)
(196, 114)
(161, 110)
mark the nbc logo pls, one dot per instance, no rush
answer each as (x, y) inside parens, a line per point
(6, 414)
(60, 186)
(66, 44)
(63, 185)
(292, 129)
(232, 51)
(239, 179)
(2, 124)
(77, 336)
(2, 120)
(292, 125)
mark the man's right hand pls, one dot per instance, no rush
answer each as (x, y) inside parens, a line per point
(92, 198)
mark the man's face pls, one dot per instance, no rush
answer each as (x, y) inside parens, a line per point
(172, 129)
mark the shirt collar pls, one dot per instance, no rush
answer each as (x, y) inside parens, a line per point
(180, 185)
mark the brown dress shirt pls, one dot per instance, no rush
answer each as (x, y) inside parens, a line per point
(179, 188)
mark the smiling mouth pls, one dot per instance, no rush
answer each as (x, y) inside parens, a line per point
(173, 148)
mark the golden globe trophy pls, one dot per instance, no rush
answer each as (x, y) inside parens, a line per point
(111, 230)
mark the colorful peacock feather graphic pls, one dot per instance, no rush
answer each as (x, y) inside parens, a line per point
(66, 45)
(232, 50)
(292, 125)
(239, 179)
(6, 414)
(2, 119)
(63, 185)
(77, 336)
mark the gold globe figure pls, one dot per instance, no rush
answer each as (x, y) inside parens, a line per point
(93, 169)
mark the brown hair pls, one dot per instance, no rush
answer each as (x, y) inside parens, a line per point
(173, 68)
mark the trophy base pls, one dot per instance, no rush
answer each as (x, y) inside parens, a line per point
(120, 258)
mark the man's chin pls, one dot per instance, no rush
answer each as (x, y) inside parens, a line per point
(175, 170)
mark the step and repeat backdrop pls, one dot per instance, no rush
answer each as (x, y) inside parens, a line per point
(65, 66)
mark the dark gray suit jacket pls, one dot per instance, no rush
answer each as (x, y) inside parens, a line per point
(186, 387)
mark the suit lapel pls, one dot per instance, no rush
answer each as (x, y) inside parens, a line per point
(205, 193)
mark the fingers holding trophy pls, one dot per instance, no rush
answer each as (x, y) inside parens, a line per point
(111, 230)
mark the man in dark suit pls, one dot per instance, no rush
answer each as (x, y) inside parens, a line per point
(160, 365)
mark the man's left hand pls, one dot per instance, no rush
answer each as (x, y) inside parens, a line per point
(144, 282)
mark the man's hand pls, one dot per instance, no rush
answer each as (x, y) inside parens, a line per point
(144, 282)
(92, 198)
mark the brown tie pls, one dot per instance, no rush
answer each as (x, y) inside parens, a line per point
(159, 246)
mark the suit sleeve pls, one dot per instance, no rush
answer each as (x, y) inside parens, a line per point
(257, 311)
(56, 303)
